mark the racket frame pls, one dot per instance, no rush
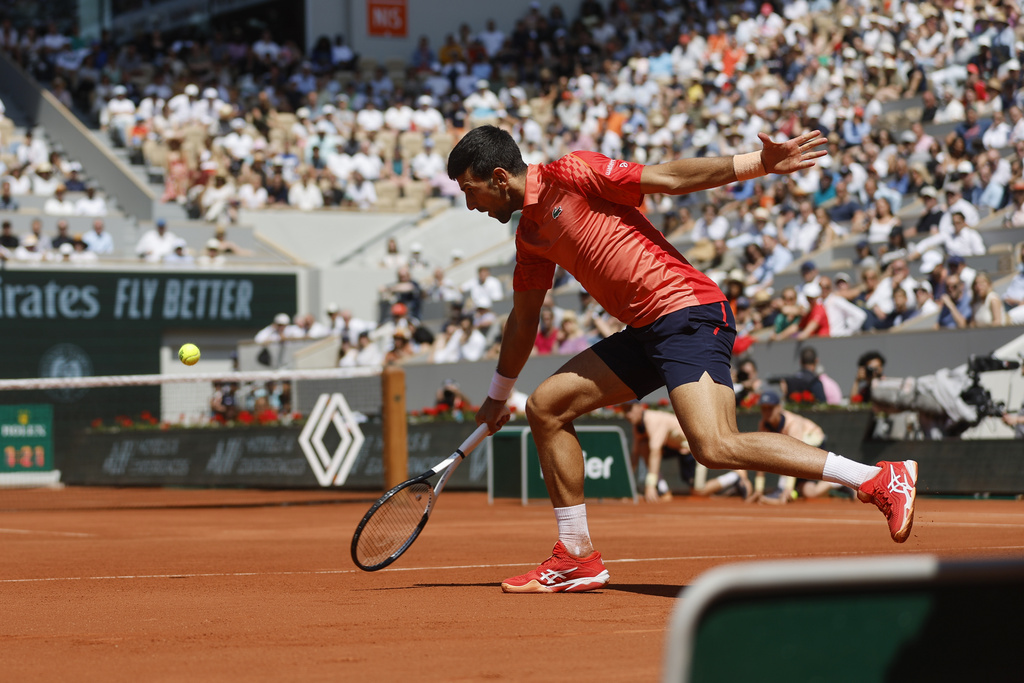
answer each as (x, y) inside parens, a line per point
(447, 466)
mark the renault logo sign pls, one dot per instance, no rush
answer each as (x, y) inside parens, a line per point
(331, 469)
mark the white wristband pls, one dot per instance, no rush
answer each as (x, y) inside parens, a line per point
(501, 387)
(747, 166)
(651, 479)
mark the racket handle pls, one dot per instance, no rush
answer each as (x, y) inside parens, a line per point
(474, 439)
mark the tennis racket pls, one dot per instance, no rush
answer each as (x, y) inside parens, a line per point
(394, 521)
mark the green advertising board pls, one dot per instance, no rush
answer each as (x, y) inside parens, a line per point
(26, 440)
(73, 322)
(514, 467)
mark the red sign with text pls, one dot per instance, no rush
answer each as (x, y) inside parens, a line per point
(387, 18)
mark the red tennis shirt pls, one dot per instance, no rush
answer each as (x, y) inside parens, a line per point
(580, 212)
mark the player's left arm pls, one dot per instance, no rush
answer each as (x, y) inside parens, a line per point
(694, 174)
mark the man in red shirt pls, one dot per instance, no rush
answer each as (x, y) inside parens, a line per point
(580, 212)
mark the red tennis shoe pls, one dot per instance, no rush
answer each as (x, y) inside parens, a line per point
(894, 491)
(560, 573)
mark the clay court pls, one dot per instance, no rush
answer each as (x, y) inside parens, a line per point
(268, 592)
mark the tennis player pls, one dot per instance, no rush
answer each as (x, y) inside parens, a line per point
(580, 212)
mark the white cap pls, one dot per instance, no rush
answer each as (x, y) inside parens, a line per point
(120, 90)
(425, 100)
(192, 90)
(29, 241)
(213, 244)
(328, 109)
(66, 248)
(769, 231)
(482, 83)
(923, 284)
(812, 290)
(210, 93)
(302, 112)
(332, 307)
(482, 301)
(282, 319)
(930, 260)
(237, 124)
(928, 191)
(908, 136)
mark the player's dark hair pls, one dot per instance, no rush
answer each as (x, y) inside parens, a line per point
(808, 356)
(484, 149)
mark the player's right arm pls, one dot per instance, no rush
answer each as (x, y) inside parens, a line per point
(517, 341)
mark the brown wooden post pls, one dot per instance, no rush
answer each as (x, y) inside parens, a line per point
(396, 436)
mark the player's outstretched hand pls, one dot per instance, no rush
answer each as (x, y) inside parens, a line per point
(790, 156)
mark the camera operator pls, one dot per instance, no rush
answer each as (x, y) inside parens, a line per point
(1016, 421)
(870, 366)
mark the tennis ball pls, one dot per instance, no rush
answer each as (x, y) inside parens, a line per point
(189, 354)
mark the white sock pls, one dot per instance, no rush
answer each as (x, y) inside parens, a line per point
(572, 529)
(840, 470)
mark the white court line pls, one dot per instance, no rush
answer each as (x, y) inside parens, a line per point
(840, 520)
(633, 560)
(50, 533)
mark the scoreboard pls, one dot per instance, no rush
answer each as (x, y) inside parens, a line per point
(26, 439)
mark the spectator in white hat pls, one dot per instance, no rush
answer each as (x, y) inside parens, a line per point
(212, 256)
(180, 256)
(118, 116)
(929, 220)
(426, 117)
(483, 107)
(274, 332)
(28, 250)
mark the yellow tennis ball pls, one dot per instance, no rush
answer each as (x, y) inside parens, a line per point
(189, 354)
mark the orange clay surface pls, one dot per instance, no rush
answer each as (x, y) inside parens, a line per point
(270, 594)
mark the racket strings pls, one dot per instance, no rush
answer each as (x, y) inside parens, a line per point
(393, 523)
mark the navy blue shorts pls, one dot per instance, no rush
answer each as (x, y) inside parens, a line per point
(674, 350)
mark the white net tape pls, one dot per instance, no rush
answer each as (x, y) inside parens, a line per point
(43, 383)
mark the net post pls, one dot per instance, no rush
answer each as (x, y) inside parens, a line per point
(396, 441)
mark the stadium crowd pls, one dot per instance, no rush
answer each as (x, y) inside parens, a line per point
(921, 104)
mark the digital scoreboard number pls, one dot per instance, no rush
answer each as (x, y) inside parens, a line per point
(26, 438)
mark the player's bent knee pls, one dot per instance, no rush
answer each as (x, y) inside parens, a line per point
(538, 412)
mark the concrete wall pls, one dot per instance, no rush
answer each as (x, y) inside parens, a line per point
(43, 109)
(910, 354)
